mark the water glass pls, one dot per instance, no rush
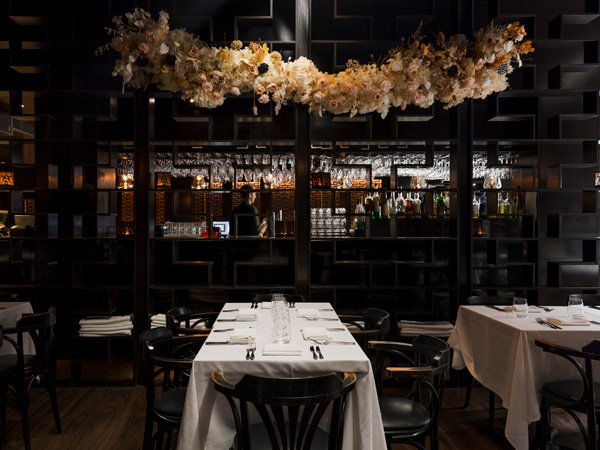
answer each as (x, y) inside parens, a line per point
(575, 306)
(281, 326)
(520, 308)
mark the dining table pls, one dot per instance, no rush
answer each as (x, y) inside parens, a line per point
(208, 422)
(10, 313)
(499, 351)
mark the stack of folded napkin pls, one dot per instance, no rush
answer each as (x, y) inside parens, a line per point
(308, 313)
(100, 326)
(414, 328)
(158, 320)
(247, 314)
(242, 336)
(317, 333)
(530, 308)
(282, 350)
(566, 321)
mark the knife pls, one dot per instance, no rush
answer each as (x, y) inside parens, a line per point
(226, 343)
(594, 306)
(496, 308)
(594, 322)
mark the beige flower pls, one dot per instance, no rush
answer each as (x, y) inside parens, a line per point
(318, 97)
(207, 86)
(236, 45)
(194, 51)
(259, 89)
(143, 47)
(263, 99)
(272, 87)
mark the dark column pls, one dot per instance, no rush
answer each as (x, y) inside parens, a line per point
(302, 197)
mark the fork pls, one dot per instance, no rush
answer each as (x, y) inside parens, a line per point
(545, 308)
(248, 349)
(252, 348)
(327, 341)
(543, 322)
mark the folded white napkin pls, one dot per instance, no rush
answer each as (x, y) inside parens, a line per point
(308, 313)
(568, 321)
(105, 333)
(104, 320)
(96, 328)
(242, 335)
(158, 318)
(246, 314)
(282, 350)
(530, 308)
(266, 305)
(316, 333)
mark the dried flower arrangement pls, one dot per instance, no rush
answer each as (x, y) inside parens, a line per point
(414, 73)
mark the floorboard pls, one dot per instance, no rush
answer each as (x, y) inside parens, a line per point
(112, 418)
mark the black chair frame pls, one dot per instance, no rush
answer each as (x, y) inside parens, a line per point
(181, 320)
(575, 396)
(306, 399)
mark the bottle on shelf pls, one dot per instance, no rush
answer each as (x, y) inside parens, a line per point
(501, 204)
(376, 210)
(385, 206)
(446, 205)
(408, 204)
(520, 203)
(401, 205)
(368, 203)
(360, 219)
(416, 206)
(440, 206)
(475, 207)
(508, 206)
(483, 206)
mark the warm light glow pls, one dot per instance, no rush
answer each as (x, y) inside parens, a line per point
(163, 180)
(7, 178)
(125, 181)
(199, 182)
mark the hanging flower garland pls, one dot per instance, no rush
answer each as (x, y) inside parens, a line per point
(413, 73)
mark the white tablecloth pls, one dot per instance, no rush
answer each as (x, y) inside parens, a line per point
(207, 420)
(499, 350)
(10, 312)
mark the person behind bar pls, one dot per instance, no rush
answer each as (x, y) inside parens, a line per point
(247, 225)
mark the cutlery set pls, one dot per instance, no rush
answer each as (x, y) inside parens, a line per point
(250, 351)
(316, 352)
(543, 322)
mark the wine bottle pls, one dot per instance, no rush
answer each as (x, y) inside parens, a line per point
(483, 206)
(440, 206)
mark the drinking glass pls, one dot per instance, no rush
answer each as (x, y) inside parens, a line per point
(575, 306)
(281, 326)
(520, 308)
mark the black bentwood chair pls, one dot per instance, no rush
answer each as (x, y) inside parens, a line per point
(486, 300)
(16, 369)
(576, 395)
(374, 324)
(290, 409)
(168, 356)
(182, 321)
(418, 369)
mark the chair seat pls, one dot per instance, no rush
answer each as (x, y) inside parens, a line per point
(8, 363)
(567, 390)
(170, 404)
(403, 415)
(260, 438)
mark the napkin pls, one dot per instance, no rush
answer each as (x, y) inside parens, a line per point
(282, 350)
(308, 313)
(317, 333)
(530, 308)
(266, 305)
(242, 335)
(565, 321)
(246, 314)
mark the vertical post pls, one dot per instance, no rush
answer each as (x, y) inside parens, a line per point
(302, 196)
(141, 177)
(464, 174)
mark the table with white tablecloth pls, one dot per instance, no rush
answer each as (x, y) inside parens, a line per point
(10, 313)
(499, 350)
(207, 420)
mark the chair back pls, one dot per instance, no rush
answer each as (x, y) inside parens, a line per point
(180, 320)
(40, 327)
(490, 300)
(290, 408)
(582, 398)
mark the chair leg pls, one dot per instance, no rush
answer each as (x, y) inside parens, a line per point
(148, 431)
(492, 407)
(22, 403)
(51, 388)
(469, 389)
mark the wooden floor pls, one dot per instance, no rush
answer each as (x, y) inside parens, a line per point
(113, 419)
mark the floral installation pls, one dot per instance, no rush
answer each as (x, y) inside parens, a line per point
(416, 72)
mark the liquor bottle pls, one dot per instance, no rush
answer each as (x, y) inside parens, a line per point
(376, 210)
(508, 206)
(416, 206)
(368, 203)
(520, 203)
(446, 205)
(385, 206)
(440, 206)
(483, 206)
(401, 205)
(408, 204)
(361, 220)
(475, 207)
(500, 204)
